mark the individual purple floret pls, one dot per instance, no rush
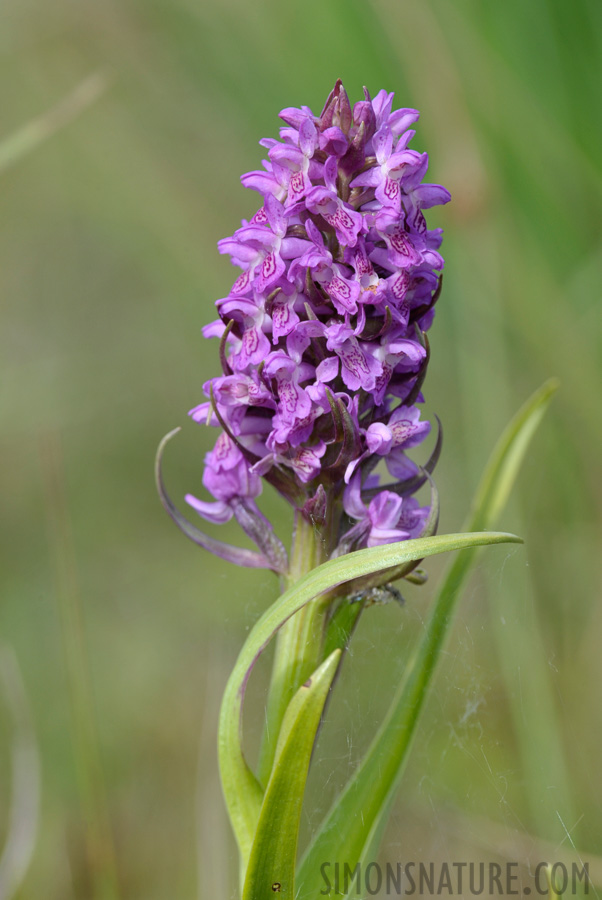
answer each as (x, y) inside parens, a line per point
(385, 518)
(322, 336)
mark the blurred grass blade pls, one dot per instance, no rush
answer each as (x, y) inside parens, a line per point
(242, 791)
(100, 851)
(23, 820)
(14, 147)
(273, 857)
(348, 828)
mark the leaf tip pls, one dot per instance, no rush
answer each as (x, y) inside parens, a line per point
(507, 537)
(552, 384)
(548, 389)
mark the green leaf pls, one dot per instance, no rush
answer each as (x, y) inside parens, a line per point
(342, 622)
(360, 811)
(505, 461)
(242, 791)
(273, 856)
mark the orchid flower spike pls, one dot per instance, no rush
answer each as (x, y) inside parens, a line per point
(322, 335)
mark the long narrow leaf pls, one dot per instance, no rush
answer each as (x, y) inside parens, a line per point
(242, 791)
(505, 461)
(273, 857)
(347, 830)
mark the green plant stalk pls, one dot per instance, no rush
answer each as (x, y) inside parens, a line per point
(298, 645)
(381, 771)
(348, 830)
(273, 856)
(242, 791)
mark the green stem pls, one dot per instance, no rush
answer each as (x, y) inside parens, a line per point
(299, 643)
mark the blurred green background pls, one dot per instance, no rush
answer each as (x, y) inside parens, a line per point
(112, 203)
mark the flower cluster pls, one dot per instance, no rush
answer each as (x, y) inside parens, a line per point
(322, 336)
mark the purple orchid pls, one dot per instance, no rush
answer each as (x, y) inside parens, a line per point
(403, 430)
(228, 477)
(393, 163)
(322, 335)
(386, 518)
(325, 201)
(296, 156)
